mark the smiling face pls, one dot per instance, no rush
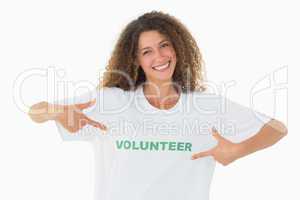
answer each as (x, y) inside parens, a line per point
(156, 56)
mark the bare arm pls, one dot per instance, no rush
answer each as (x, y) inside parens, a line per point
(42, 112)
(268, 135)
(226, 151)
(70, 116)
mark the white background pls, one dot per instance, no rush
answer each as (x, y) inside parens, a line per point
(241, 41)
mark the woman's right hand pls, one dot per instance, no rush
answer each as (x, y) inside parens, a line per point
(70, 117)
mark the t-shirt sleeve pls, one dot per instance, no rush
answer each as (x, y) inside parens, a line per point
(237, 122)
(109, 103)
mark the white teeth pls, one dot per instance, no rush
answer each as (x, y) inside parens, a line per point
(161, 67)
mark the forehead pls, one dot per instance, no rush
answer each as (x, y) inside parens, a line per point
(150, 38)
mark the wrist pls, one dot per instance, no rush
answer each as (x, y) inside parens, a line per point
(240, 150)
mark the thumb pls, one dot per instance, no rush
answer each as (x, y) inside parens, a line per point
(216, 134)
(82, 106)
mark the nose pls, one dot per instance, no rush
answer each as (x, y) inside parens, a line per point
(159, 54)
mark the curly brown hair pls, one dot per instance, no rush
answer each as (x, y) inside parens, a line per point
(121, 70)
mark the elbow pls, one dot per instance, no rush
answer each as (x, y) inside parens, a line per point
(36, 112)
(279, 127)
(283, 129)
(33, 116)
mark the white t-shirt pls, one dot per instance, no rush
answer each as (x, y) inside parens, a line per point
(146, 152)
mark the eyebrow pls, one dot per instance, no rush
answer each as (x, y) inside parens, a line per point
(158, 43)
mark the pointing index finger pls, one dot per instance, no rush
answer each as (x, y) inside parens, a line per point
(201, 154)
(95, 124)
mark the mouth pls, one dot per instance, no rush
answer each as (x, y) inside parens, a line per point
(162, 67)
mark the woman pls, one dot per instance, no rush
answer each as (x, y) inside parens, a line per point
(158, 60)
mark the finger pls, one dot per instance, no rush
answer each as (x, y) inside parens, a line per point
(95, 124)
(82, 106)
(216, 134)
(82, 123)
(201, 154)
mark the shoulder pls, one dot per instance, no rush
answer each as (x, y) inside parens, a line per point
(205, 102)
(113, 98)
(111, 92)
(204, 97)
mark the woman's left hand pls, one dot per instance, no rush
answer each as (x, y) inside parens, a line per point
(225, 152)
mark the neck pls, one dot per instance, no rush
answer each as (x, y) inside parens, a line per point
(160, 91)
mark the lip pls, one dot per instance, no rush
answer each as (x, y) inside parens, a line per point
(168, 62)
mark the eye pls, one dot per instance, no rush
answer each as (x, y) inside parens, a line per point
(145, 52)
(165, 44)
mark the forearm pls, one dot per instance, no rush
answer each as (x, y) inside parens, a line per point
(43, 111)
(268, 135)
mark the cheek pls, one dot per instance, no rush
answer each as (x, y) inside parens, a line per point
(146, 63)
(170, 52)
(174, 53)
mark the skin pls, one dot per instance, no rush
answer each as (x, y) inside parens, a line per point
(155, 49)
(69, 116)
(226, 152)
